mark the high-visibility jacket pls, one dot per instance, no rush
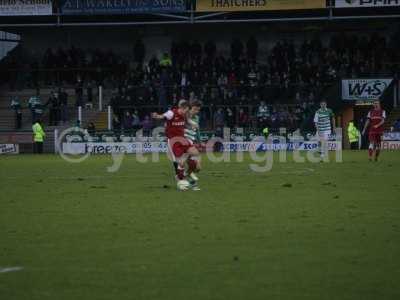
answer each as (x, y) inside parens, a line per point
(265, 131)
(38, 133)
(165, 62)
(353, 133)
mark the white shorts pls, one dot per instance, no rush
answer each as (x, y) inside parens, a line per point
(324, 135)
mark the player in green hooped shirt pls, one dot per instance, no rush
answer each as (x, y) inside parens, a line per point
(324, 121)
(192, 133)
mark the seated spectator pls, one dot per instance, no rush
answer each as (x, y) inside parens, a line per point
(243, 118)
(147, 125)
(219, 121)
(136, 120)
(127, 121)
(396, 125)
(230, 118)
(116, 124)
(262, 115)
(287, 72)
(91, 129)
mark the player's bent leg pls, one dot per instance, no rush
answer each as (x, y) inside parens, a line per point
(175, 164)
(193, 151)
(377, 151)
(377, 146)
(198, 163)
(171, 156)
(371, 148)
(323, 144)
(193, 168)
(193, 162)
(181, 166)
(182, 184)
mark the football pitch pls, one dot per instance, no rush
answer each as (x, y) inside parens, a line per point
(300, 231)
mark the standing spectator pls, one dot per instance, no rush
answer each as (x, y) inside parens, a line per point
(396, 125)
(263, 115)
(116, 124)
(147, 125)
(243, 118)
(210, 49)
(219, 121)
(166, 61)
(252, 49)
(162, 97)
(139, 52)
(127, 122)
(135, 120)
(54, 107)
(230, 118)
(63, 97)
(89, 94)
(236, 49)
(38, 109)
(38, 137)
(16, 106)
(195, 50)
(32, 103)
(91, 129)
(79, 91)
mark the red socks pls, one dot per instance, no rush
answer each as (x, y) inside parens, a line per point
(370, 152)
(377, 151)
(180, 173)
(192, 164)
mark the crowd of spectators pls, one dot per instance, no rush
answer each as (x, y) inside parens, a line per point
(56, 106)
(288, 73)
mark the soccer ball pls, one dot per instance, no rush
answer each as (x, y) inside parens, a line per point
(183, 185)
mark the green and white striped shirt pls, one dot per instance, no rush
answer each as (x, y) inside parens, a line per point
(322, 119)
(191, 132)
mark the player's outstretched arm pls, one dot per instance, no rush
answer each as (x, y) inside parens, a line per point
(157, 116)
(365, 127)
(193, 124)
(333, 123)
(316, 122)
(165, 116)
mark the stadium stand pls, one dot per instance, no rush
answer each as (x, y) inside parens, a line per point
(289, 77)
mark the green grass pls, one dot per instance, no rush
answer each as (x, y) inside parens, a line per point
(301, 231)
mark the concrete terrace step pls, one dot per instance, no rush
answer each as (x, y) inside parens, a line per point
(101, 121)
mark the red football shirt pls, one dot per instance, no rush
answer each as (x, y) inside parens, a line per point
(376, 116)
(175, 126)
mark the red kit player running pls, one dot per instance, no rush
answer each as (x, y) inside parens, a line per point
(376, 119)
(179, 147)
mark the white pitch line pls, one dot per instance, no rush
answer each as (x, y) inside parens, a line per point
(10, 269)
(298, 172)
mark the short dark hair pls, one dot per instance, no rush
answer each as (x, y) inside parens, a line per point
(196, 103)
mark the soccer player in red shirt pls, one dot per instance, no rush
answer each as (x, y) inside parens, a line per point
(375, 120)
(179, 147)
